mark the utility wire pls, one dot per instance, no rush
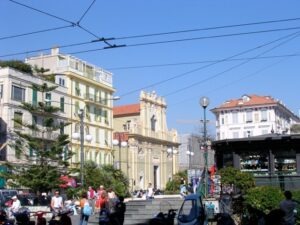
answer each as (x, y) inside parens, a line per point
(35, 32)
(81, 18)
(107, 39)
(234, 81)
(210, 28)
(62, 19)
(43, 12)
(198, 62)
(206, 66)
(231, 68)
(190, 39)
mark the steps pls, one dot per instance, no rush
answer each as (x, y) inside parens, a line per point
(139, 211)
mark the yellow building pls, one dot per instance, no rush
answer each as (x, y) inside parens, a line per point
(89, 88)
(145, 149)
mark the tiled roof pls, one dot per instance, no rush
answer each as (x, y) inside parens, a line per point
(248, 100)
(126, 110)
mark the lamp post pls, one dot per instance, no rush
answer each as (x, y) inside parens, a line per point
(172, 152)
(204, 102)
(119, 141)
(80, 137)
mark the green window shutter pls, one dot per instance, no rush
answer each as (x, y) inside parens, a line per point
(62, 104)
(34, 97)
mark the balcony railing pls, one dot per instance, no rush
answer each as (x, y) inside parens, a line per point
(45, 135)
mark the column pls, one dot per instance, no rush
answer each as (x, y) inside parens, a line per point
(236, 160)
(271, 163)
(298, 162)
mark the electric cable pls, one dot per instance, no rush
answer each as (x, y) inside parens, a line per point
(234, 81)
(198, 62)
(206, 66)
(231, 68)
(35, 32)
(84, 14)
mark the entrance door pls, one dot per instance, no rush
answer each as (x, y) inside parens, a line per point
(155, 176)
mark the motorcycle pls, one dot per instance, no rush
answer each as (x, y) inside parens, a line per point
(70, 205)
(164, 218)
(62, 218)
(23, 217)
(40, 219)
(4, 220)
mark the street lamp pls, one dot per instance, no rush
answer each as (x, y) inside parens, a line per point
(80, 136)
(119, 141)
(172, 152)
(204, 102)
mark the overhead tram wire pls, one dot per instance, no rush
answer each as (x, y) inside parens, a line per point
(189, 39)
(105, 40)
(205, 66)
(86, 11)
(210, 28)
(198, 62)
(35, 32)
(231, 68)
(65, 20)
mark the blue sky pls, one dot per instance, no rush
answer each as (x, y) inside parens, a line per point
(274, 76)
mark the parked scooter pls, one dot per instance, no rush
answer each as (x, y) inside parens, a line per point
(4, 220)
(40, 219)
(71, 206)
(164, 218)
(62, 218)
(23, 217)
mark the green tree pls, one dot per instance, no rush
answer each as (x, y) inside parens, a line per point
(107, 176)
(264, 198)
(18, 65)
(232, 176)
(41, 146)
(173, 185)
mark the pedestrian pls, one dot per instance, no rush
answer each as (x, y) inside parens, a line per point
(288, 206)
(92, 196)
(83, 201)
(150, 193)
(112, 199)
(56, 204)
(120, 210)
(104, 214)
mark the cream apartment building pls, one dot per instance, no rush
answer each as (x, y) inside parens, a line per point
(16, 87)
(89, 88)
(252, 115)
(145, 149)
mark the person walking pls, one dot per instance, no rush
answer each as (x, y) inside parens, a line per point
(83, 201)
(288, 206)
(150, 193)
(120, 210)
(56, 204)
(92, 196)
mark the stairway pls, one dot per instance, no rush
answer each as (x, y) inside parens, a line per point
(140, 211)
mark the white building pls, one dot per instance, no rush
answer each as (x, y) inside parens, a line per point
(16, 87)
(252, 115)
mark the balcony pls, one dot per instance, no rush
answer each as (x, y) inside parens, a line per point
(45, 135)
(83, 69)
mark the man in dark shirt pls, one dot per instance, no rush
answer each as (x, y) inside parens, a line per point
(120, 210)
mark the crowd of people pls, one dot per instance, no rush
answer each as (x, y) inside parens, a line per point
(104, 202)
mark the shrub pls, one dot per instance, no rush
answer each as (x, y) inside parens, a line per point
(264, 198)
